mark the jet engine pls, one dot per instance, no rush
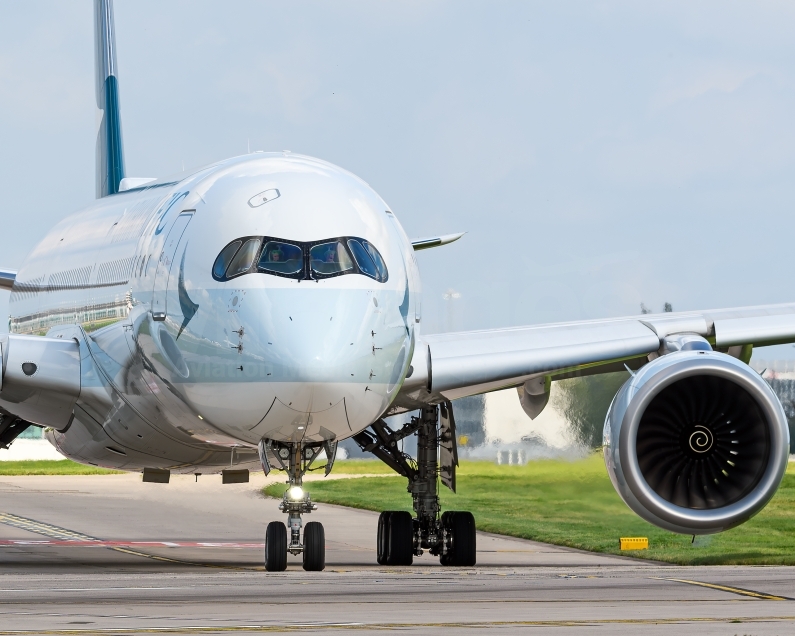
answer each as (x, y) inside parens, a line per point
(696, 442)
(40, 379)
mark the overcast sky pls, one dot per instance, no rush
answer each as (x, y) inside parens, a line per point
(599, 154)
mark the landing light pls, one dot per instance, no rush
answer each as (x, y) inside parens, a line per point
(296, 492)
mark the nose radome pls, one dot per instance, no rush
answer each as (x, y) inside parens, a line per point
(310, 329)
(319, 349)
(312, 397)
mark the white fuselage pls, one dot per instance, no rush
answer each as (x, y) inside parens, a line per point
(178, 366)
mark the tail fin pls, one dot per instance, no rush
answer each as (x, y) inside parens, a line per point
(110, 155)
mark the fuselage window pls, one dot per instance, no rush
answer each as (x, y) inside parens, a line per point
(224, 258)
(281, 258)
(244, 258)
(330, 258)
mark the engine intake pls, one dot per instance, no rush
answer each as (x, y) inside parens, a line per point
(696, 442)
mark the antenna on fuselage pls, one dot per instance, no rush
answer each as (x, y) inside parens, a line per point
(110, 155)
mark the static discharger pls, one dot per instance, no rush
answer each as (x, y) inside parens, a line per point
(634, 543)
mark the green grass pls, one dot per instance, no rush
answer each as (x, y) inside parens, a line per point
(360, 467)
(573, 504)
(51, 467)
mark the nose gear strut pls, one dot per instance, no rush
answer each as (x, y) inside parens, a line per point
(450, 536)
(295, 458)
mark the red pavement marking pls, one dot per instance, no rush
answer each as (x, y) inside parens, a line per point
(77, 543)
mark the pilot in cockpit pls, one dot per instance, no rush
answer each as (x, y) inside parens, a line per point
(331, 254)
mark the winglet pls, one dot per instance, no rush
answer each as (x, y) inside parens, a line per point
(110, 155)
(435, 241)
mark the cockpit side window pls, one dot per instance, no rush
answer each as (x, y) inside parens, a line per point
(363, 259)
(243, 260)
(379, 262)
(281, 258)
(328, 259)
(224, 258)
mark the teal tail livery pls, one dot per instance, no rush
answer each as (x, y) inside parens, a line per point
(251, 314)
(110, 151)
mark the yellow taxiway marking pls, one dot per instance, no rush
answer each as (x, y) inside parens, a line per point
(726, 588)
(299, 627)
(54, 532)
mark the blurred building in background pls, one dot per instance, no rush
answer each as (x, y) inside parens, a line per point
(780, 375)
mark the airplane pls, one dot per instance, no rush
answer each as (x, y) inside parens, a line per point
(253, 313)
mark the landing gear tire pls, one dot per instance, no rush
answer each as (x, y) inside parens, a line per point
(276, 547)
(382, 541)
(447, 519)
(314, 547)
(463, 539)
(399, 538)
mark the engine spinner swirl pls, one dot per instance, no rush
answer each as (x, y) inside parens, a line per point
(701, 439)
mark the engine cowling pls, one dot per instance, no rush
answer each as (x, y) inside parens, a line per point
(696, 442)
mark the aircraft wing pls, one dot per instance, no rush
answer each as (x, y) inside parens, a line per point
(7, 278)
(454, 365)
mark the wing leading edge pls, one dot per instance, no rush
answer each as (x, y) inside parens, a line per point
(7, 278)
(454, 365)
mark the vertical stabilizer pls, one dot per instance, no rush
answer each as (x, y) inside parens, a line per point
(110, 155)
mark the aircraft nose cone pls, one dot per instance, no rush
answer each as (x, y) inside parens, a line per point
(319, 350)
(318, 336)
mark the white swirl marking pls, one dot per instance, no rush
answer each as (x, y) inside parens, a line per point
(701, 439)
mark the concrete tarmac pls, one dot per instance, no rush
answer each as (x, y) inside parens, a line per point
(109, 554)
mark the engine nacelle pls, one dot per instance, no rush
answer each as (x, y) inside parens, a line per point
(40, 380)
(696, 442)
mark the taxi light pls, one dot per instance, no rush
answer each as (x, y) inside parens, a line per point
(634, 543)
(295, 493)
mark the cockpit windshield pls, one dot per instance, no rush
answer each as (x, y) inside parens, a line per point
(329, 258)
(281, 258)
(303, 261)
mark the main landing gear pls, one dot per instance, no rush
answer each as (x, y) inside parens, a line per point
(295, 458)
(450, 536)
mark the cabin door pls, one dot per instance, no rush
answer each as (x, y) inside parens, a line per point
(166, 263)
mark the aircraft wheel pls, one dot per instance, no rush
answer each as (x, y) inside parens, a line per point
(382, 541)
(400, 539)
(445, 559)
(276, 547)
(314, 547)
(461, 526)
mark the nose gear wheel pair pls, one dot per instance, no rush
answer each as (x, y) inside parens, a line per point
(313, 549)
(295, 458)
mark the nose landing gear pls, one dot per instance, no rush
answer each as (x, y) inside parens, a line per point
(450, 536)
(295, 458)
